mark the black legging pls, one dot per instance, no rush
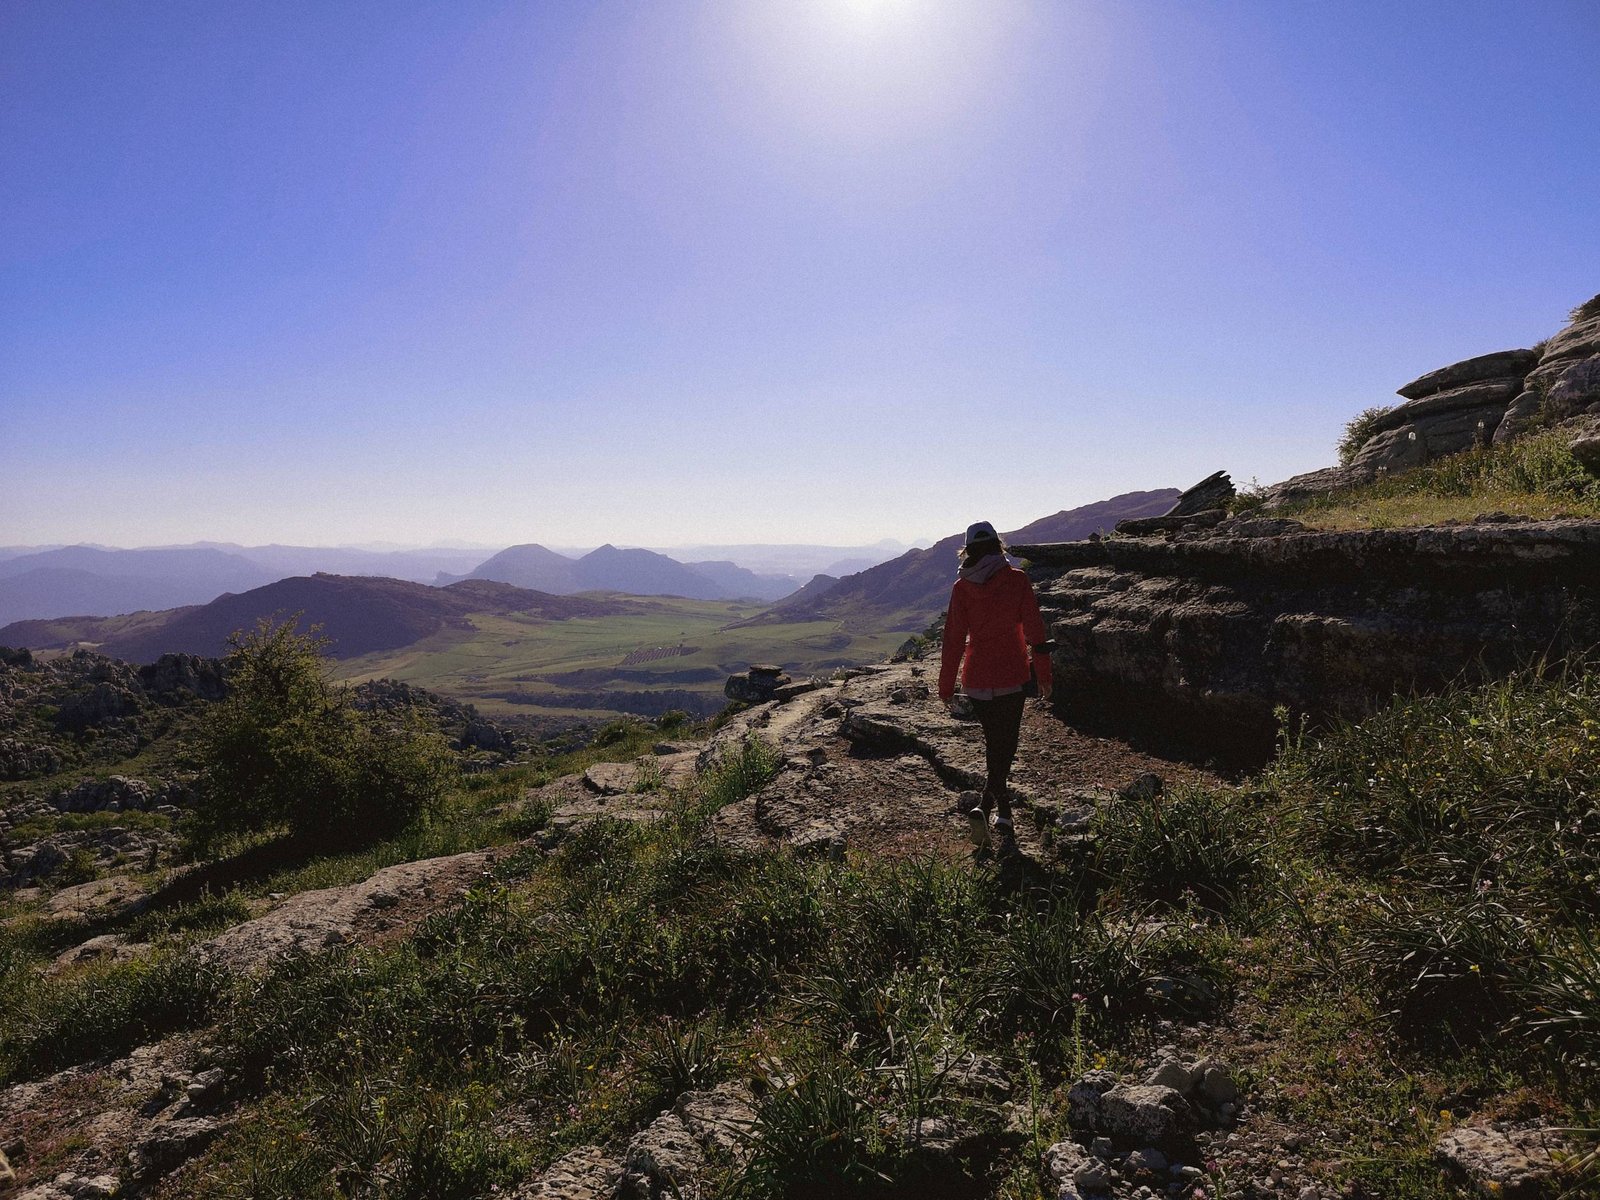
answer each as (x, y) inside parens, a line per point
(1001, 719)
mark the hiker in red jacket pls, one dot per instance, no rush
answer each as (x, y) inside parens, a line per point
(992, 632)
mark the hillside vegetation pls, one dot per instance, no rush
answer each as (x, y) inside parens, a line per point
(1536, 476)
(1391, 928)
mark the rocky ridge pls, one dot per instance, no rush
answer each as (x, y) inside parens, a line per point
(1491, 398)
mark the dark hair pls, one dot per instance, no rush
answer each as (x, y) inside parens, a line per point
(978, 551)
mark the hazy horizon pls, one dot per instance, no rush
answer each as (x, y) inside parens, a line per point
(720, 273)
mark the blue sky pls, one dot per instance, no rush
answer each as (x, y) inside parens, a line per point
(657, 273)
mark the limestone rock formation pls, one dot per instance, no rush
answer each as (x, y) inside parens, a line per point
(316, 920)
(1489, 398)
(757, 685)
(1446, 411)
(1205, 638)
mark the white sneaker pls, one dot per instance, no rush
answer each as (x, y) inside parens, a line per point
(978, 827)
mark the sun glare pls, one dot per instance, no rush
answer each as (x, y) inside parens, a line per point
(863, 73)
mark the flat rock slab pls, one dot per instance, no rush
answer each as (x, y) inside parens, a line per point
(108, 947)
(1508, 1162)
(97, 898)
(328, 917)
(641, 775)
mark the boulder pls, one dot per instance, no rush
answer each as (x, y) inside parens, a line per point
(101, 704)
(116, 895)
(1070, 1165)
(1505, 1161)
(1500, 364)
(171, 1143)
(1586, 450)
(720, 1118)
(1214, 491)
(755, 686)
(1145, 1113)
(108, 947)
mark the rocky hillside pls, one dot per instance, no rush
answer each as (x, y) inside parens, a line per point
(358, 615)
(769, 963)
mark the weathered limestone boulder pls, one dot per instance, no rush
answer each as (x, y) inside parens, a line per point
(1074, 1170)
(116, 896)
(1203, 504)
(171, 1143)
(668, 1156)
(662, 1161)
(587, 1173)
(1214, 491)
(1203, 639)
(177, 676)
(102, 703)
(757, 685)
(1146, 1114)
(1567, 380)
(1502, 364)
(1505, 1161)
(1445, 420)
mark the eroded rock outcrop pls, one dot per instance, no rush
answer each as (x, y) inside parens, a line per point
(1488, 398)
(1204, 638)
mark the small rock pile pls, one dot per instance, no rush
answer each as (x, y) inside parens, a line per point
(1137, 1139)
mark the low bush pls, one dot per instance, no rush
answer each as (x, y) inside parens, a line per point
(1358, 431)
(287, 749)
(1199, 844)
(1494, 785)
(1446, 968)
(50, 1024)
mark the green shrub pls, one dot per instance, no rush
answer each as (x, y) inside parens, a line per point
(1494, 784)
(288, 750)
(739, 772)
(57, 1023)
(1193, 842)
(1356, 432)
(1446, 969)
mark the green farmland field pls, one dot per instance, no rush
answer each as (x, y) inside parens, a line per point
(597, 666)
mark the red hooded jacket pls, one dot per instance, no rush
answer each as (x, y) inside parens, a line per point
(988, 633)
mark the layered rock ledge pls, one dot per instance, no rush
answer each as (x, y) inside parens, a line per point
(1201, 640)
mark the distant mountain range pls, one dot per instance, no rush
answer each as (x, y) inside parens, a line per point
(192, 597)
(636, 572)
(908, 591)
(46, 582)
